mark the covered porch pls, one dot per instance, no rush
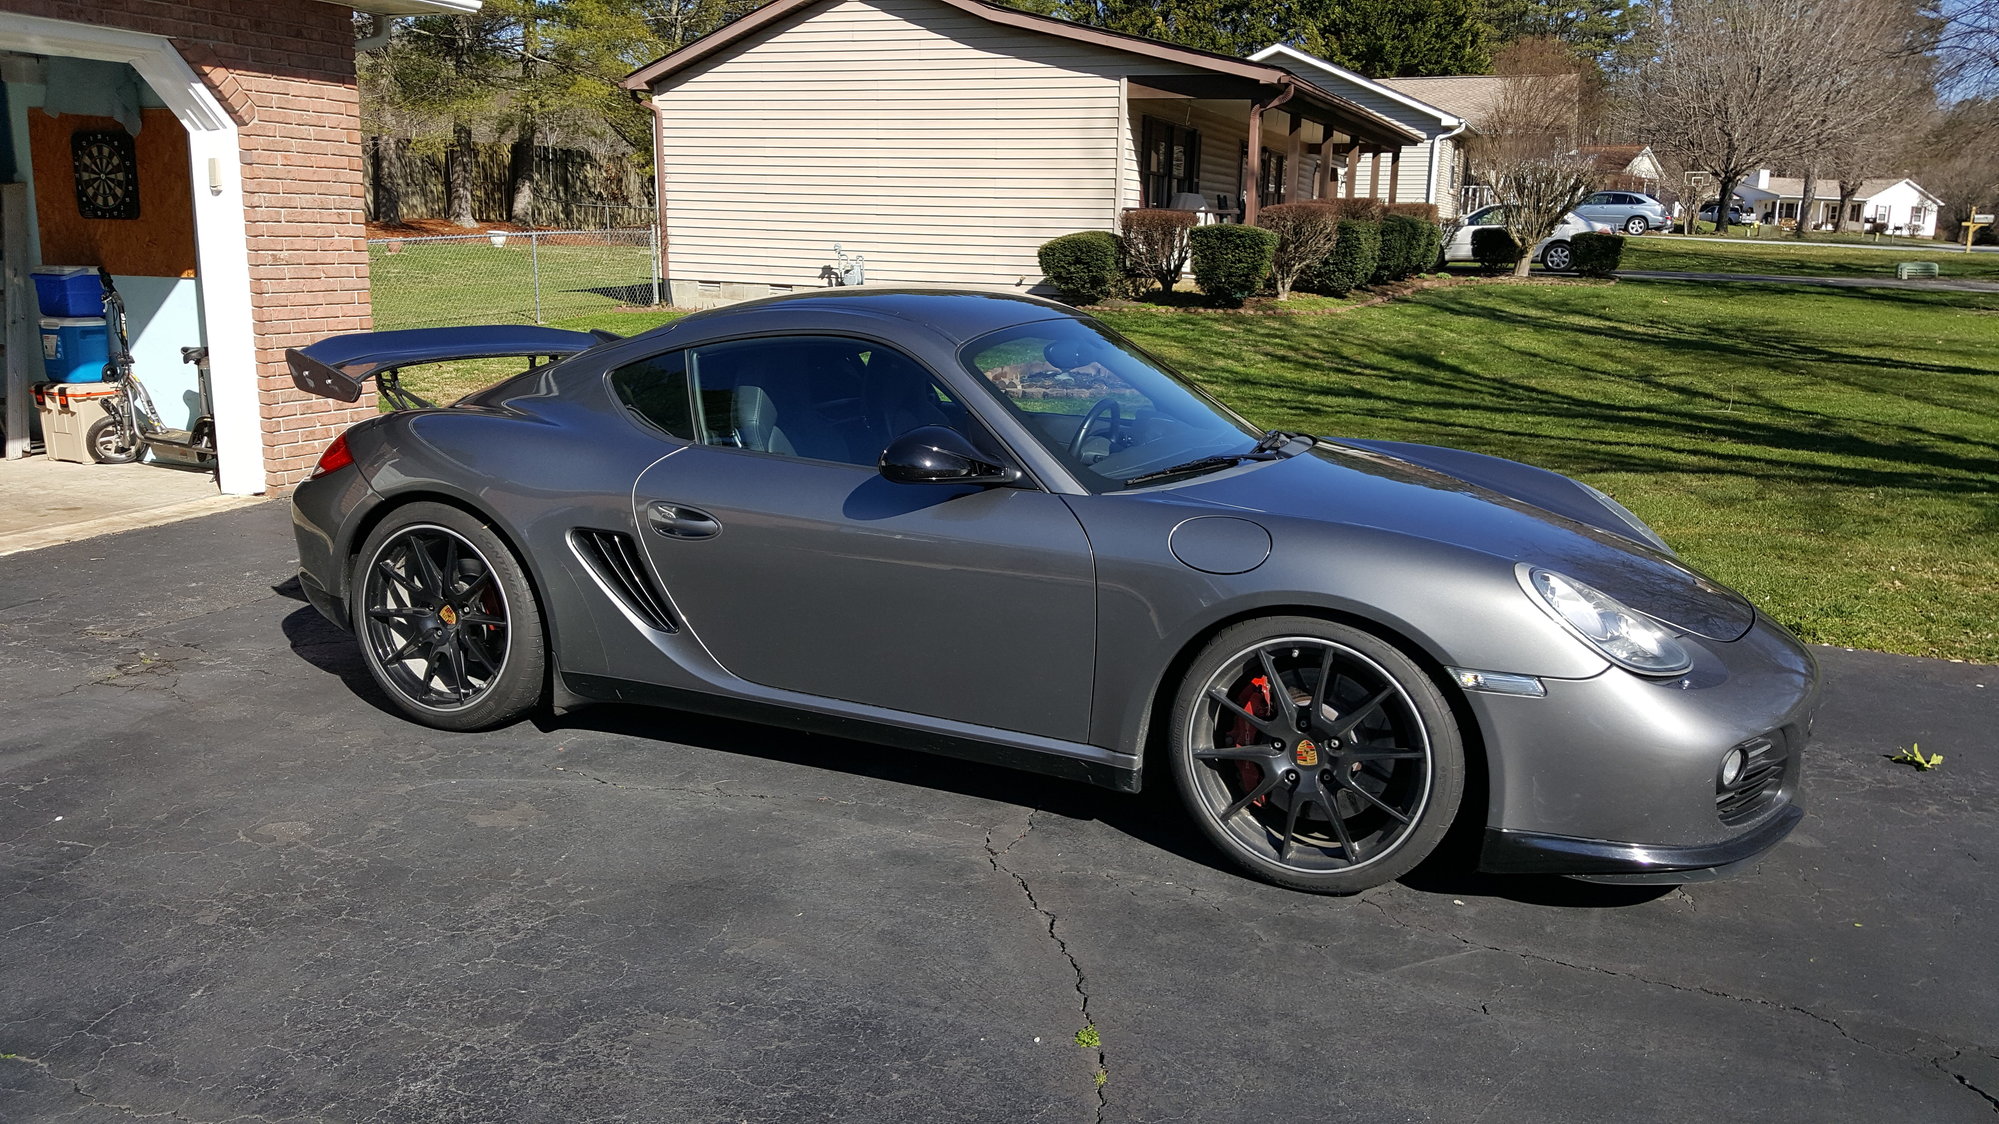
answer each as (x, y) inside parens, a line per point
(1237, 144)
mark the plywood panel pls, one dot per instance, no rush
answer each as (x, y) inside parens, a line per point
(159, 243)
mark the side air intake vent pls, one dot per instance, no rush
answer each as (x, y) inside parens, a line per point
(614, 558)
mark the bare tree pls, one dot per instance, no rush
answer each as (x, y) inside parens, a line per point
(1737, 85)
(1525, 148)
(1961, 160)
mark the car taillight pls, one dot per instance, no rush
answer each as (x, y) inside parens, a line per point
(335, 458)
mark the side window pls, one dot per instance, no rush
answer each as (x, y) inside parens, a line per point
(655, 389)
(818, 397)
(1597, 200)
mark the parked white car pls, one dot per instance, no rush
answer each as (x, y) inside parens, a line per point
(1553, 252)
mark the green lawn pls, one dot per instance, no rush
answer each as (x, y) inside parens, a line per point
(1692, 255)
(1832, 453)
(426, 283)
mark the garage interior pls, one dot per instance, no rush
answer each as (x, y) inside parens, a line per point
(94, 171)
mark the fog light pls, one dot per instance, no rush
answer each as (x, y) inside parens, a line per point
(1732, 764)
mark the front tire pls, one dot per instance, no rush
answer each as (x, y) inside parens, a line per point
(1315, 755)
(107, 444)
(1558, 257)
(448, 623)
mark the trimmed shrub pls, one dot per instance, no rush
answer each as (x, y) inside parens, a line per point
(1084, 267)
(1597, 255)
(1231, 261)
(1306, 233)
(1360, 210)
(1351, 264)
(1401, 248)
(1432, 258)
(1155, 244)
(1425, 211)
(1494, 249)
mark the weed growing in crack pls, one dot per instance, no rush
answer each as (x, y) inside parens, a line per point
(1088, 1039)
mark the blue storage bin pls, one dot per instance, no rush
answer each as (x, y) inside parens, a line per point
(68, 290)
(75, 348)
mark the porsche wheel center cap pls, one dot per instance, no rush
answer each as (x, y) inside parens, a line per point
(448, 615)
(1306, 753)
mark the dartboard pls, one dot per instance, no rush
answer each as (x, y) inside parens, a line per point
(107, 174)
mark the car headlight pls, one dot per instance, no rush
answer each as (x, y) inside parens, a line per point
(1626, 638)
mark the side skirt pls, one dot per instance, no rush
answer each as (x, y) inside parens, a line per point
(1098, 768)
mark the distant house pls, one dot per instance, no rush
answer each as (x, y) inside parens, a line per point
(1891, 206)
(1431, 170)
(942, 141)
(1626, 167)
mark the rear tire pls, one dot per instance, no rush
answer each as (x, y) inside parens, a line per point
(1559, 256)
(105, 443)
(1636, 225)
(447, 621)
(1345, 776)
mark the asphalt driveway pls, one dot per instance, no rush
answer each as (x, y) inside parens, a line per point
(233, 887)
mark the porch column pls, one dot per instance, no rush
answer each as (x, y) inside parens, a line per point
(1252, 157)
(1394, 171)
(1353, 167)
(1374, 174)
(1294, 158)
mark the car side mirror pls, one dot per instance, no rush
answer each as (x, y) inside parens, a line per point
(936, 454)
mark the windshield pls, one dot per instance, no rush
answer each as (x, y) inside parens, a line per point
(1104, 408)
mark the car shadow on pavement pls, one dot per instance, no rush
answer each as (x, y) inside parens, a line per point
(1153, 817)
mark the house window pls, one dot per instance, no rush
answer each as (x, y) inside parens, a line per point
(1916, 216)
(1853, 212)
(1171, 161)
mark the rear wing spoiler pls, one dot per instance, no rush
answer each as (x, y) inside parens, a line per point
(339, 367)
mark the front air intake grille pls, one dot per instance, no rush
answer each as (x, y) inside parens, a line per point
(1762, 778)
(614, 558)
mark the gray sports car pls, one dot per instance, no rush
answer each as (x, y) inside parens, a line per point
(989, 527)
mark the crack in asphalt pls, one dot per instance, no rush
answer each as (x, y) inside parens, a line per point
(1941, 1065)
(994, 855)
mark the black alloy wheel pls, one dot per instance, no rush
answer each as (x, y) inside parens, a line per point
(447, 622)
(1315, 755)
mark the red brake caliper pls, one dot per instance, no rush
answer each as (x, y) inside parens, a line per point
(1256, 699)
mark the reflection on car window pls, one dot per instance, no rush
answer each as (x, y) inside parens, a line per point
(1106, 409)
(822, 398)
(655, 389)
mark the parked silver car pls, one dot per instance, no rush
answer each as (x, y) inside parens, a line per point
(1554, 252)
(1632, 212)
(988, 527)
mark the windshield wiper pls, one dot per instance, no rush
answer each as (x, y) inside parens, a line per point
(1267, 448)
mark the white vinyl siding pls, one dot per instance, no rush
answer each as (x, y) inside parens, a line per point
(942, 147)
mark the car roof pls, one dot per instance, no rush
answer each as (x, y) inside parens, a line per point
(962, 314)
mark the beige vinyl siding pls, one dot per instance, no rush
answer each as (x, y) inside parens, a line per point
(942, 147)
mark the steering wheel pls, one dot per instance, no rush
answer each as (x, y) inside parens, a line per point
(1105, 406)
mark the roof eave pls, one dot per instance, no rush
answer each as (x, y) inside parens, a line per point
(1284, 50)
(411, 7)
(647, 77)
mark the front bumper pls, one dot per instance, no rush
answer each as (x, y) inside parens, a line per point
(1615, 777)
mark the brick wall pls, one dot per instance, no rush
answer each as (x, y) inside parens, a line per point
(285, 71)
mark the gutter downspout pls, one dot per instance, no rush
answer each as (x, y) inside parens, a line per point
(385, 26)
(659, 189)
(1436, 146)
(1252, 159)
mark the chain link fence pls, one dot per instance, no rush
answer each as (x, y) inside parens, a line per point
(526, 277)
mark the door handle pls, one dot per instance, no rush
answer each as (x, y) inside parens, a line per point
(678, 522)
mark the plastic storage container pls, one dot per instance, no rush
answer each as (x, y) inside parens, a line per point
(68, 290)
(68, 410)
(75, 348)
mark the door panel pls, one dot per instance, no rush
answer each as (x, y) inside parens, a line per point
(824, 578)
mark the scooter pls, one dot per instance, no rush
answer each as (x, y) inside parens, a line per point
(134, 426)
